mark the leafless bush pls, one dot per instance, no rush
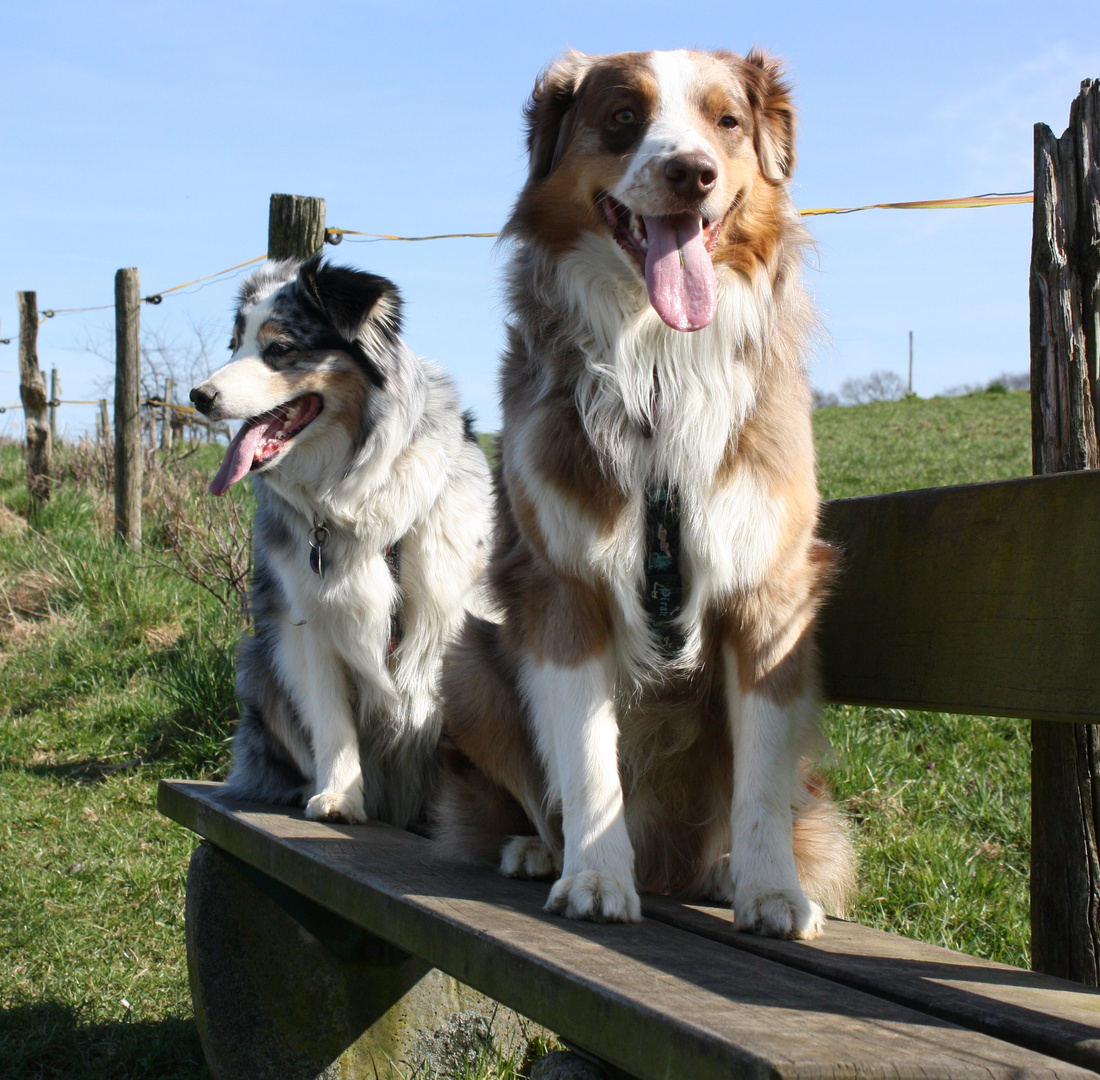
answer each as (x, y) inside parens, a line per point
(878, 386)
(205, 540)
(823, 400)
(89, 463)
(183, 361)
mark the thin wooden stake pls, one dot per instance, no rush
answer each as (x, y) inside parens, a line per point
(32, 392)
(55, 403)
(128, 456)
(1065, 406)
(167, 427)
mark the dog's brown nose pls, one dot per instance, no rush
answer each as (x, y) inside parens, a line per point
(691, 176)
(203, 400)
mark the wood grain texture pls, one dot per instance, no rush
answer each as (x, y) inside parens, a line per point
(654, 1000)
(1046, 1014)
(295, 227)
(32, 393)
(978, 599)
(1065, 291)
(1065, 866)
(1065, 422)
(128, 458)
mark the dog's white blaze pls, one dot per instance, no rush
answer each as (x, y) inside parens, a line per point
(577, 736)
(674, 129)
(767, 740)
(246, 387)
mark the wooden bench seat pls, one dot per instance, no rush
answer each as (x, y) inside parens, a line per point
(981, 599)
(681, 994)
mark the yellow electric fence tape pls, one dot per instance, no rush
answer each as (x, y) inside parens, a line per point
(334, 236)
(970, 203)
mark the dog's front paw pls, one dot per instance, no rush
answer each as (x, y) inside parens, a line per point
(782, 913)
(528, 857)
(601, 897)
(336, 806)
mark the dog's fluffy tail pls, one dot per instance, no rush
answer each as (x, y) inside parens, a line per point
(823, 850)
(262, 771)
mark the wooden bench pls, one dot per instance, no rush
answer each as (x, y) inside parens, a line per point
(315, 947)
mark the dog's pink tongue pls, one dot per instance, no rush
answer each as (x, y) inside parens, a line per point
(238, 458)
(678, 272)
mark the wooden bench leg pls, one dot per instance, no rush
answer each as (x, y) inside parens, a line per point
(287, 990)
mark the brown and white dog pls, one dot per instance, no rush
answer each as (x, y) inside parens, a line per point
(649, 700)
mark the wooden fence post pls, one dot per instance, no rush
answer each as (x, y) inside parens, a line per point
(295, 227)
(1065, 418)
(168, 415)
(128, 457)
(55, 402)
(32, 392)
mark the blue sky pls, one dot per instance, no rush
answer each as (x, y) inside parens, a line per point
(152, 134)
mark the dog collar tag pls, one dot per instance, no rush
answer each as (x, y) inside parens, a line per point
(318, 561)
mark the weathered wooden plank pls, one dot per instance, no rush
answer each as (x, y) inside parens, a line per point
(653, 1000)
(1049, 1015)
(977, 599)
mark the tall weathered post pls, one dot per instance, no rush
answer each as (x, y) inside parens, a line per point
(295, 227)
(32, 392)
(1065, 418)
(128, 458)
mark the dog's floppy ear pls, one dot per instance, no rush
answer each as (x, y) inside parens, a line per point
(357, 305)
(773, 114)
(549, 112)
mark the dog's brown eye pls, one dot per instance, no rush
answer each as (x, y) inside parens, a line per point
(277, 348)
(728, 122)
(624, 116)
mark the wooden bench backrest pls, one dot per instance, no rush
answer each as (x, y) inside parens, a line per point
(982, 599)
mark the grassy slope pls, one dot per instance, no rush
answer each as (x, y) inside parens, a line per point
(110, 672)
(99, 654)
(942, 802)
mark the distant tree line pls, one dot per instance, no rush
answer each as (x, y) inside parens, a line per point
(889, 386)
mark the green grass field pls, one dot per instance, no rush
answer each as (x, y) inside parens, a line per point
(115, 670)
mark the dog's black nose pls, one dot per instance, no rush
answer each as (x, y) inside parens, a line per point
(691, 176)
(203, 400)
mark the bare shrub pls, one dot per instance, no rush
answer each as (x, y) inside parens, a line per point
(823, 400)
(878, 386)
(205, 540)
(89, 464)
